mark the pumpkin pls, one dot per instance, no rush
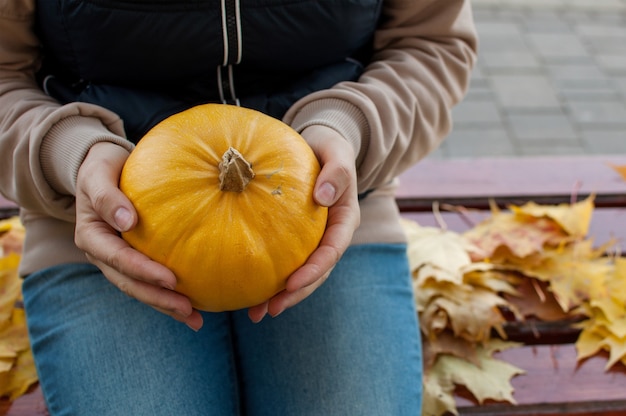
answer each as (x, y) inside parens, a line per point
(224, 197)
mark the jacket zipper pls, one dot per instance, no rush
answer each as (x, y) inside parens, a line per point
(231, 33)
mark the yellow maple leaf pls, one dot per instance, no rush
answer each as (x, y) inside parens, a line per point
(22, 376)
(441, 249)
(438, 395)
(12, 234)
(10, 286)
(619, 169)
(573, 218)
(534, 299)
(605, 330)
(17, 368)
(572, 272)
(448, 344)
(588, 343)
(521, 236)
(490, 380)
(488, 277)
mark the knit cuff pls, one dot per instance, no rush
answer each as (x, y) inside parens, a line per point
(65, 146)
(340, 115)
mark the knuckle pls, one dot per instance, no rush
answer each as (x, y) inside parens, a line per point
(125, 287)
(98, 198)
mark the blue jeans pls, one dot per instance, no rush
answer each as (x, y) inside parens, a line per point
(352, 348)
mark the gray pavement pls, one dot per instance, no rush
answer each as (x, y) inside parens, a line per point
(550, 80)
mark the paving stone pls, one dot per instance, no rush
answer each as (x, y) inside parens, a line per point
(522, 61)
(605, 6)
(552, 150)
(465, 142)
(601, 30)
(498, 28)
(504, 43)
(589, 94)
(545, 21)
(542, 127)
(594, 5)
(525, 91)
(575, 72)
(612, 63)
(606, 45)
(558, 45)
(593, 89)
(471, 111)
(605, 113)
(604, 142)
(620, 84)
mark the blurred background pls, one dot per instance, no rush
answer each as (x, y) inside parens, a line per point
(550, 80)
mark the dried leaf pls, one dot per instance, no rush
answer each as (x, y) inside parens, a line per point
(444, 250)
(536, 300)
(11, 236)
(490, 380)
(17, 368)
(448, 344)
(572, 271)
(22, 376)
(573, 218)
(619, 169)
(521, 236)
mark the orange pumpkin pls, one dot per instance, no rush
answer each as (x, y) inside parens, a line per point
(224, 197)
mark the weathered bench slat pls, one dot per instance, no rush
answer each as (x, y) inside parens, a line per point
(549, 180)
(555, 385)
(31, 404)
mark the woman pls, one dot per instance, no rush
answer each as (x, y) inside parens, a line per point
(369, 84)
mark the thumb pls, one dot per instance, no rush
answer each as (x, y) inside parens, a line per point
(97, 186)
(124, 219)
(326, 194)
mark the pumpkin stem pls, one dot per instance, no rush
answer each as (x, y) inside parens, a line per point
(235, 171)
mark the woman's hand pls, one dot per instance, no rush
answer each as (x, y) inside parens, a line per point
(335, 188)
(102, 212)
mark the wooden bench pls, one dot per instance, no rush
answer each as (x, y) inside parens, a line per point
(554, 384)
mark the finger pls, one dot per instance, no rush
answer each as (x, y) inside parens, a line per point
(111, 205)
(193, 321)
(342, 221)
(335, 178)
(97, 187)
(168, 301)
(105, 247)
(285, 300)
(258, 312)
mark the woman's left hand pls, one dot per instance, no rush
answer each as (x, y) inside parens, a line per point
(335, 188)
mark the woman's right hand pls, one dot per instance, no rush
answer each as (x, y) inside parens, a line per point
(102, 212)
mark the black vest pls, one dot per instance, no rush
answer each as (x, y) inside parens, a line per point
(146, 60)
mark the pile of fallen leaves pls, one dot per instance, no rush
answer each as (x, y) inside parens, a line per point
(17, 368)
(528, 262)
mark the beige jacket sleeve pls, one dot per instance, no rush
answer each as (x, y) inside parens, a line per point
(42, 144)
(399, 110)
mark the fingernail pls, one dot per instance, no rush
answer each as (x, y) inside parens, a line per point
(326, 194)
(192, 328)
(258, 320)
(275, 315)
(123, 219)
